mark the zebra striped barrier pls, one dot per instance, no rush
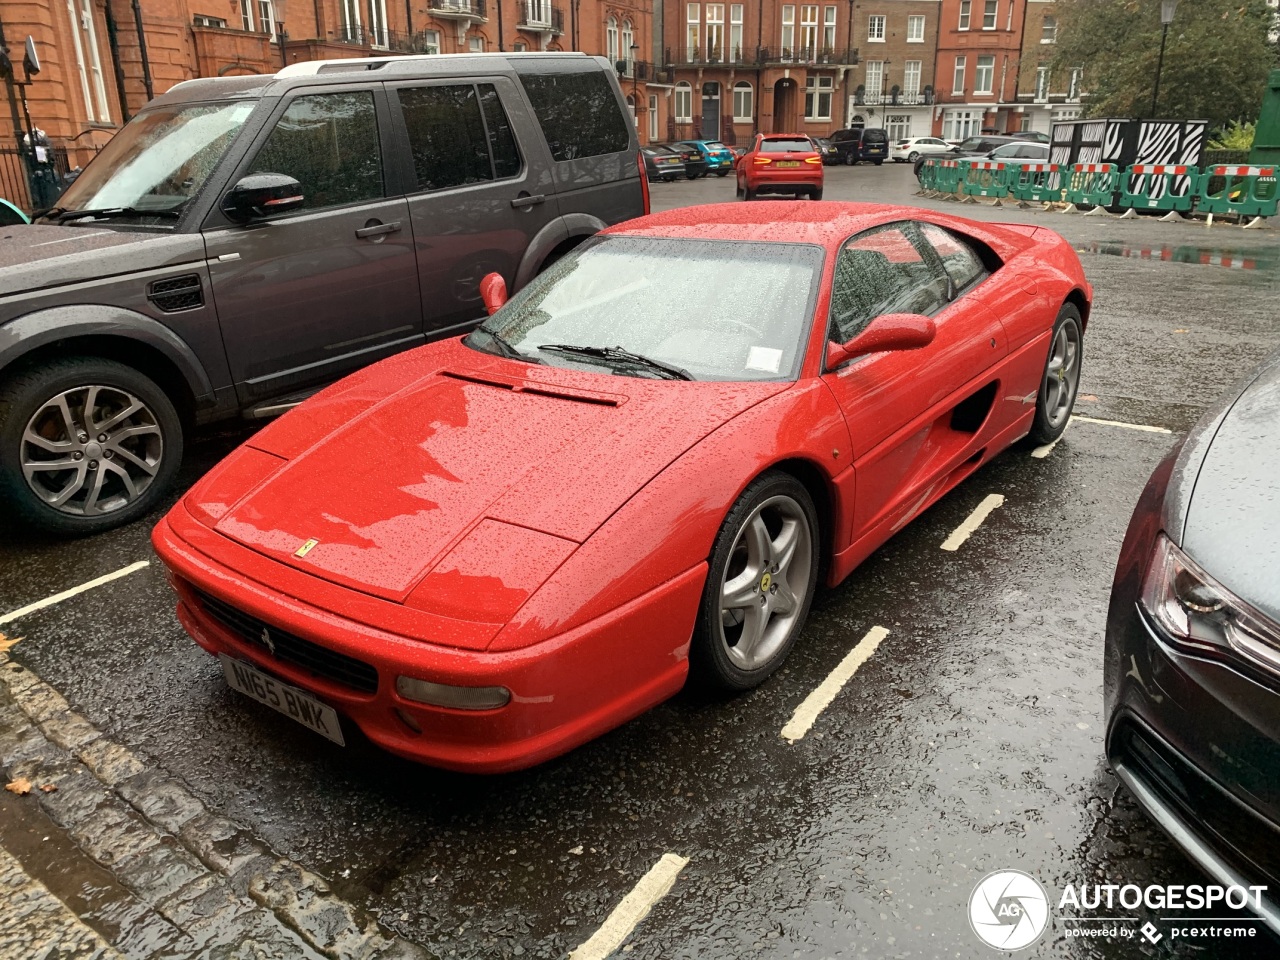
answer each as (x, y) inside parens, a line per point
(1034, 183)
(985, 178)
(1246, 191)
(1091, 183)
(1166, 187)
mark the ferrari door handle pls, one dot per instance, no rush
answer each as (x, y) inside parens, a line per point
(528, 201)
(378, 229)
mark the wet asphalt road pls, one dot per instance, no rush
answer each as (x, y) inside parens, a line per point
(970, 742)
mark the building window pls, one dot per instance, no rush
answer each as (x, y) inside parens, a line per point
(267, 17)
(875, 29)
(744, 102)
(817, 98)
(84, 35)
(1068, 113)
(984, 75)
(521, 46)
(377, 22)
(628, 40)
(653, 117)
(684, 102)
(476, 44)
(915, 29)
(957, 78)
(989, 14)
(788, 38)
(431, 41)
(715, 31)
(1042, 84)
(351, 31)
(898, 126)
(692, 37)
(246, 16)
(631, 109)
(875, 81)
(611, 39)
(911, 80)
(829, 29)
(958, 124)
(1049, 30)
(1073, 90)
(964, 13)
(808, 31)
(200, 20)
(735, 31)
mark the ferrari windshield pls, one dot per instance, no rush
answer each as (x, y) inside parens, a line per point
(714, 310)
(158, 162)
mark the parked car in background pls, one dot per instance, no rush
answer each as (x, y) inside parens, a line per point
(786, 163)
(856, 144)
(719, 158)
(826, 149)
(11, 216)
(1020, 153)
(662, 163)
(970, 147)
(913, 148)
(1034, 135)
(1191, 670)
(695, 164)
(244, 241)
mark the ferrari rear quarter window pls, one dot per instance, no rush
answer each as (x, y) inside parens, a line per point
(963, 265)
(664, 298)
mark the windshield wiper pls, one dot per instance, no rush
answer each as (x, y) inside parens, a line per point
(620, 355)
(504, 347)
(115, 212)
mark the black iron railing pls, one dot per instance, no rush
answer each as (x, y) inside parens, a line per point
(755, 56)
(474, 8)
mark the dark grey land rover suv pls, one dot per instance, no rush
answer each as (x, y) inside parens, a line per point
(245, 240)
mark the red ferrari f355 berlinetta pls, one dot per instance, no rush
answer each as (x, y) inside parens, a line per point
(488, 550)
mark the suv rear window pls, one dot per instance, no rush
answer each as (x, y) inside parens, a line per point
(874, 136)
(785, 146)
(576, 107)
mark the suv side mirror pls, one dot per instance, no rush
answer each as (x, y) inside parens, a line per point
(493, 291)
(262, 195)
(891, 331)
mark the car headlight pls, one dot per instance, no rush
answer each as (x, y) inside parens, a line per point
(1197, 611)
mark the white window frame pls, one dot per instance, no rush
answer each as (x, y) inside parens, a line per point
(819, 90)
(911, 72)
(985, 71)
(787, 39)
(809, 29)
(84, 36)
(829, 15)
(628, 38)
(683, 105)
(431, 40)
(611, 39)
(1042, 85)
(744, 102)
(959, 124)
(1049, 30)
(875, 28)
(990, 11)
(246, 15)
(966, 10)
(957, 77)
(915, 28)
(475, 44)
(898, 126)
(874, 82)
(693, 30)
(653, 117)
(351, 25)
(1073, 89)
(715, 31)
(377, 24)
(735, 31)
(204, 20)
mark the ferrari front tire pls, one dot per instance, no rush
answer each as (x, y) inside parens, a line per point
(761, 579)
(1060, 383)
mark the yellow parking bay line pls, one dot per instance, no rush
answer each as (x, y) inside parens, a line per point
(826, 691)
(972, 522)
(74, 591)
(635, 906)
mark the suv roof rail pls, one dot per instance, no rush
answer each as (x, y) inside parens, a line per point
(311, 68)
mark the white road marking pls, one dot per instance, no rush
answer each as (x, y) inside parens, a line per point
(1121, 423)
(635, 906)
(74, 591)
(826, 691)
(972, 522)
(1045, 449)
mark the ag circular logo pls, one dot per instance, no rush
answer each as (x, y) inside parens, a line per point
(1008, 910)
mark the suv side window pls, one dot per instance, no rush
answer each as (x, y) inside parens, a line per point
(458, 134)
(960, 261)
(878, 272)
(577, 110)
(328, 142)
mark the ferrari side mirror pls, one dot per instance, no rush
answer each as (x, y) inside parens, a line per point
(891, 331)
(493, 291)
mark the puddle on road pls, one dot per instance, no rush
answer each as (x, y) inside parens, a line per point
(1232, 258)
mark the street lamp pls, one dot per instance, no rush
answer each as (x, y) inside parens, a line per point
(1167, 8)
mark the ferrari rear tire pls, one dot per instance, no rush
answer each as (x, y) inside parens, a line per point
(1060, 383)
(762, 576)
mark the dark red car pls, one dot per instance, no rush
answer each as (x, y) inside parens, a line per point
(786, 163)
(488, 550)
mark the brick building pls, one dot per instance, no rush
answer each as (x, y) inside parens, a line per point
(894, 84)
(1045, 96)
(978, 63)
(101, 60)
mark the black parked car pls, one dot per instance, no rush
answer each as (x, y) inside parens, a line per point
(662, 163)
(856, 144)
(1192, 663)
(826, 149)
(695, 164)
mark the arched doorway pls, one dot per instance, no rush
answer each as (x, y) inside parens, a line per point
(711, 110)
(785, 119)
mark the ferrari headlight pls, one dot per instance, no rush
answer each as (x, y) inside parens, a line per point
(1197, 611)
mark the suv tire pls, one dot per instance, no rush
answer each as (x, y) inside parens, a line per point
(120, 459)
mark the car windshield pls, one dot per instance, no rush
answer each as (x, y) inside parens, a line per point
(785, 146)
(159, 161)
(676, 301)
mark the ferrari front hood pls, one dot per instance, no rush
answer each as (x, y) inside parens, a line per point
(386, 495)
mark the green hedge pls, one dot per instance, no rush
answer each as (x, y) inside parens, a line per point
(1214, 157)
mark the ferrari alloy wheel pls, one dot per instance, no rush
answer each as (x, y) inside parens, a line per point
(85, 444)
(762, 577)
(1061, 380)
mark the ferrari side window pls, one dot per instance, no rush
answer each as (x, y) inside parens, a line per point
(962, 264)
(880, 272)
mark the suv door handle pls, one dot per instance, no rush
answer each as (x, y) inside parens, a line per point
(377, 229)
(528, 201)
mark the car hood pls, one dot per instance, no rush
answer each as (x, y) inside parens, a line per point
(40, 256)
(1232, 526)
(390, 490)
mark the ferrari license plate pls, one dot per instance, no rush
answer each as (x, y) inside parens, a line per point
(788, 163)
(289, 700)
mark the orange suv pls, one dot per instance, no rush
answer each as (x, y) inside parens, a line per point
(781, 163)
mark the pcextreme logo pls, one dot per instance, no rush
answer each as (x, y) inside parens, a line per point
(1008, 910)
